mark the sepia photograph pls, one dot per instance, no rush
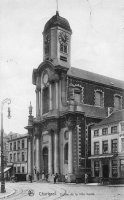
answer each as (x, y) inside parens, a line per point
(62, 99)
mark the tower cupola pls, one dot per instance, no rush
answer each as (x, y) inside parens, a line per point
(57, 41)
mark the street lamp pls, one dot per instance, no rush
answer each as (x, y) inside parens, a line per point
(7, 100)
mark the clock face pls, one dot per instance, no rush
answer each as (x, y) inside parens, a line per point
(63, 38)
(45, 78)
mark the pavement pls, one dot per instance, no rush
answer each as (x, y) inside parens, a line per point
(11, 191)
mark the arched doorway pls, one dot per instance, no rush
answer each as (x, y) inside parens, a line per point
(45, 160)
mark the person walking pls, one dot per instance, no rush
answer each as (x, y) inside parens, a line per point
(55, 178)
(86, 178)
(30, 178)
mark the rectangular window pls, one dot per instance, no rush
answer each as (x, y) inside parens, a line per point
(18, 157)
(10, 157)
(14, 146)
(15, 170)
(122, 126)
(114, 168)
(23, 144)
(114, 146)
(105, 147)
(96, 168)
(96, 148)
(23, 170)
(104, 131)
(18, 169)
(10, 146)
(23, 156)
(96, 132)
(14, 157)
(117, 102)
(122, 144)
(18, 144)
(114, 129)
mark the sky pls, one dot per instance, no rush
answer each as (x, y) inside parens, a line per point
(97, 46)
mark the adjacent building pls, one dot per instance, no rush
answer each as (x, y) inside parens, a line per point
(17, 157)
(107, 148)
(69, 101)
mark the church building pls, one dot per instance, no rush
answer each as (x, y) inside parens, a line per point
(69, 101)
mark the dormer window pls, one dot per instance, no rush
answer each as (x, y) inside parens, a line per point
(117, 102)
(99, 98)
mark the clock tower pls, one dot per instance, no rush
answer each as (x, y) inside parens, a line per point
(57, 41)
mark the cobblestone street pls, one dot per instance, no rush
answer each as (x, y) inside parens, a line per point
(39, 191)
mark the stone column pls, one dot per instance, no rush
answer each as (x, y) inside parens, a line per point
(29, 156)
(50, 155)
(50, 97)
(37, 102)
(110, 168)
(37, 151)
(39, 111)
(33, 156)
(70, 158)
(41, 102)
(56, 153)
(57, 91)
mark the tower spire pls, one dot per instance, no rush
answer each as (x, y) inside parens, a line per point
(57, 7)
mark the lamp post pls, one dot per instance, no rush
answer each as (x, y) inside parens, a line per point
(7, 100)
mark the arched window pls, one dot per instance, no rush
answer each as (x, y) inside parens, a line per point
(77, 94)
(45, 99)
(117, 102)
(66, 153)
(99, 98)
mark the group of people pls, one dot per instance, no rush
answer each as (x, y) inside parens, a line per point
(55, 177)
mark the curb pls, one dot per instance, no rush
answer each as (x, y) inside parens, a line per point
(7, 195)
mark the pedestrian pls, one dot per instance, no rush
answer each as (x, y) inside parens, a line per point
(46, 176)
(30, 178)
(86, 178)
(66, 178)
(55, 178)
(38, 175)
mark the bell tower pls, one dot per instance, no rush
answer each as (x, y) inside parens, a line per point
(57, 41)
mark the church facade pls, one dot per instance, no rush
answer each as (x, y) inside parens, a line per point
(69, 101)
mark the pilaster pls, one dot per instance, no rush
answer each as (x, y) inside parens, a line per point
(50, 171)
(56, 153)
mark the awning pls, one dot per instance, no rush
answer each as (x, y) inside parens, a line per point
(6, 169)
(102, 156)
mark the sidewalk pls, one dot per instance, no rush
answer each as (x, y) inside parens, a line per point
(7, 193)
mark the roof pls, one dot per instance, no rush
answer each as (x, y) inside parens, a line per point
(86, 75)
(57, 20)
(114, 117)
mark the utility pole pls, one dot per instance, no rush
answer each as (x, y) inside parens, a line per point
(7, 100)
